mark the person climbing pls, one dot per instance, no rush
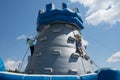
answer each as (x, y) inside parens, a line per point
(31, 44)
(79, 45)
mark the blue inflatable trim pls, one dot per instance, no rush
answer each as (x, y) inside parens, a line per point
(2, 67)
(55, 15)
(105, 74)
(109, 74)
(65, 77)
(89, 77)
(17, 76)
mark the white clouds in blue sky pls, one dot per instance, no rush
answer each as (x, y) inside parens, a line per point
(101, 11)
(23, 36)
(12, 64)
(114, 58)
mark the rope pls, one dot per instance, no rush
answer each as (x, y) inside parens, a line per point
(86, 54)
(91, 59)
(20, 65)
(81, 58)
(83, 65)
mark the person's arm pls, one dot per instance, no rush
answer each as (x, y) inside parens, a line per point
(33, 40)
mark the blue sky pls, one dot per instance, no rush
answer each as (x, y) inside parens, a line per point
(101, 20)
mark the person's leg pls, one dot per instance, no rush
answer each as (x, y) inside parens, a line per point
(32, 50)
(81, 52)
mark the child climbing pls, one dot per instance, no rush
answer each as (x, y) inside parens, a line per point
(31, 44)
(79, 45)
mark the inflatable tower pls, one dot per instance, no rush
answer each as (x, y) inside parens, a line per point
(55, 49)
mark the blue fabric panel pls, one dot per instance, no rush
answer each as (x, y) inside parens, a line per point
(59, 18)
(49, 7)
(36, 77)
(48, 17)
(17, 76)
(10, 76)
(108, 74)
(2, 67)
(78, 16)
(51, 13)
(64, 5)
(64, 12)
(67, 77)
(89, 77)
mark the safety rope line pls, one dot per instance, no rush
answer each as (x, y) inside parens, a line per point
(20, 65)
(86, 52)
(91, 59)
(83, 66)
(81, 57)
(101, 44)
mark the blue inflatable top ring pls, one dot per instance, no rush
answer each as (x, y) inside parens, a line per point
(54, 15)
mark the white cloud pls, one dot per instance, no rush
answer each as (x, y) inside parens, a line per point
(101, 11)
(114, 58)
(22, 37)
(12, 64)
(85, 42)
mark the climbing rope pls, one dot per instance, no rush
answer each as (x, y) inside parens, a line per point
(20, 65)
(81, 58)
(86, 54)
(91, 59)
(83, 66)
